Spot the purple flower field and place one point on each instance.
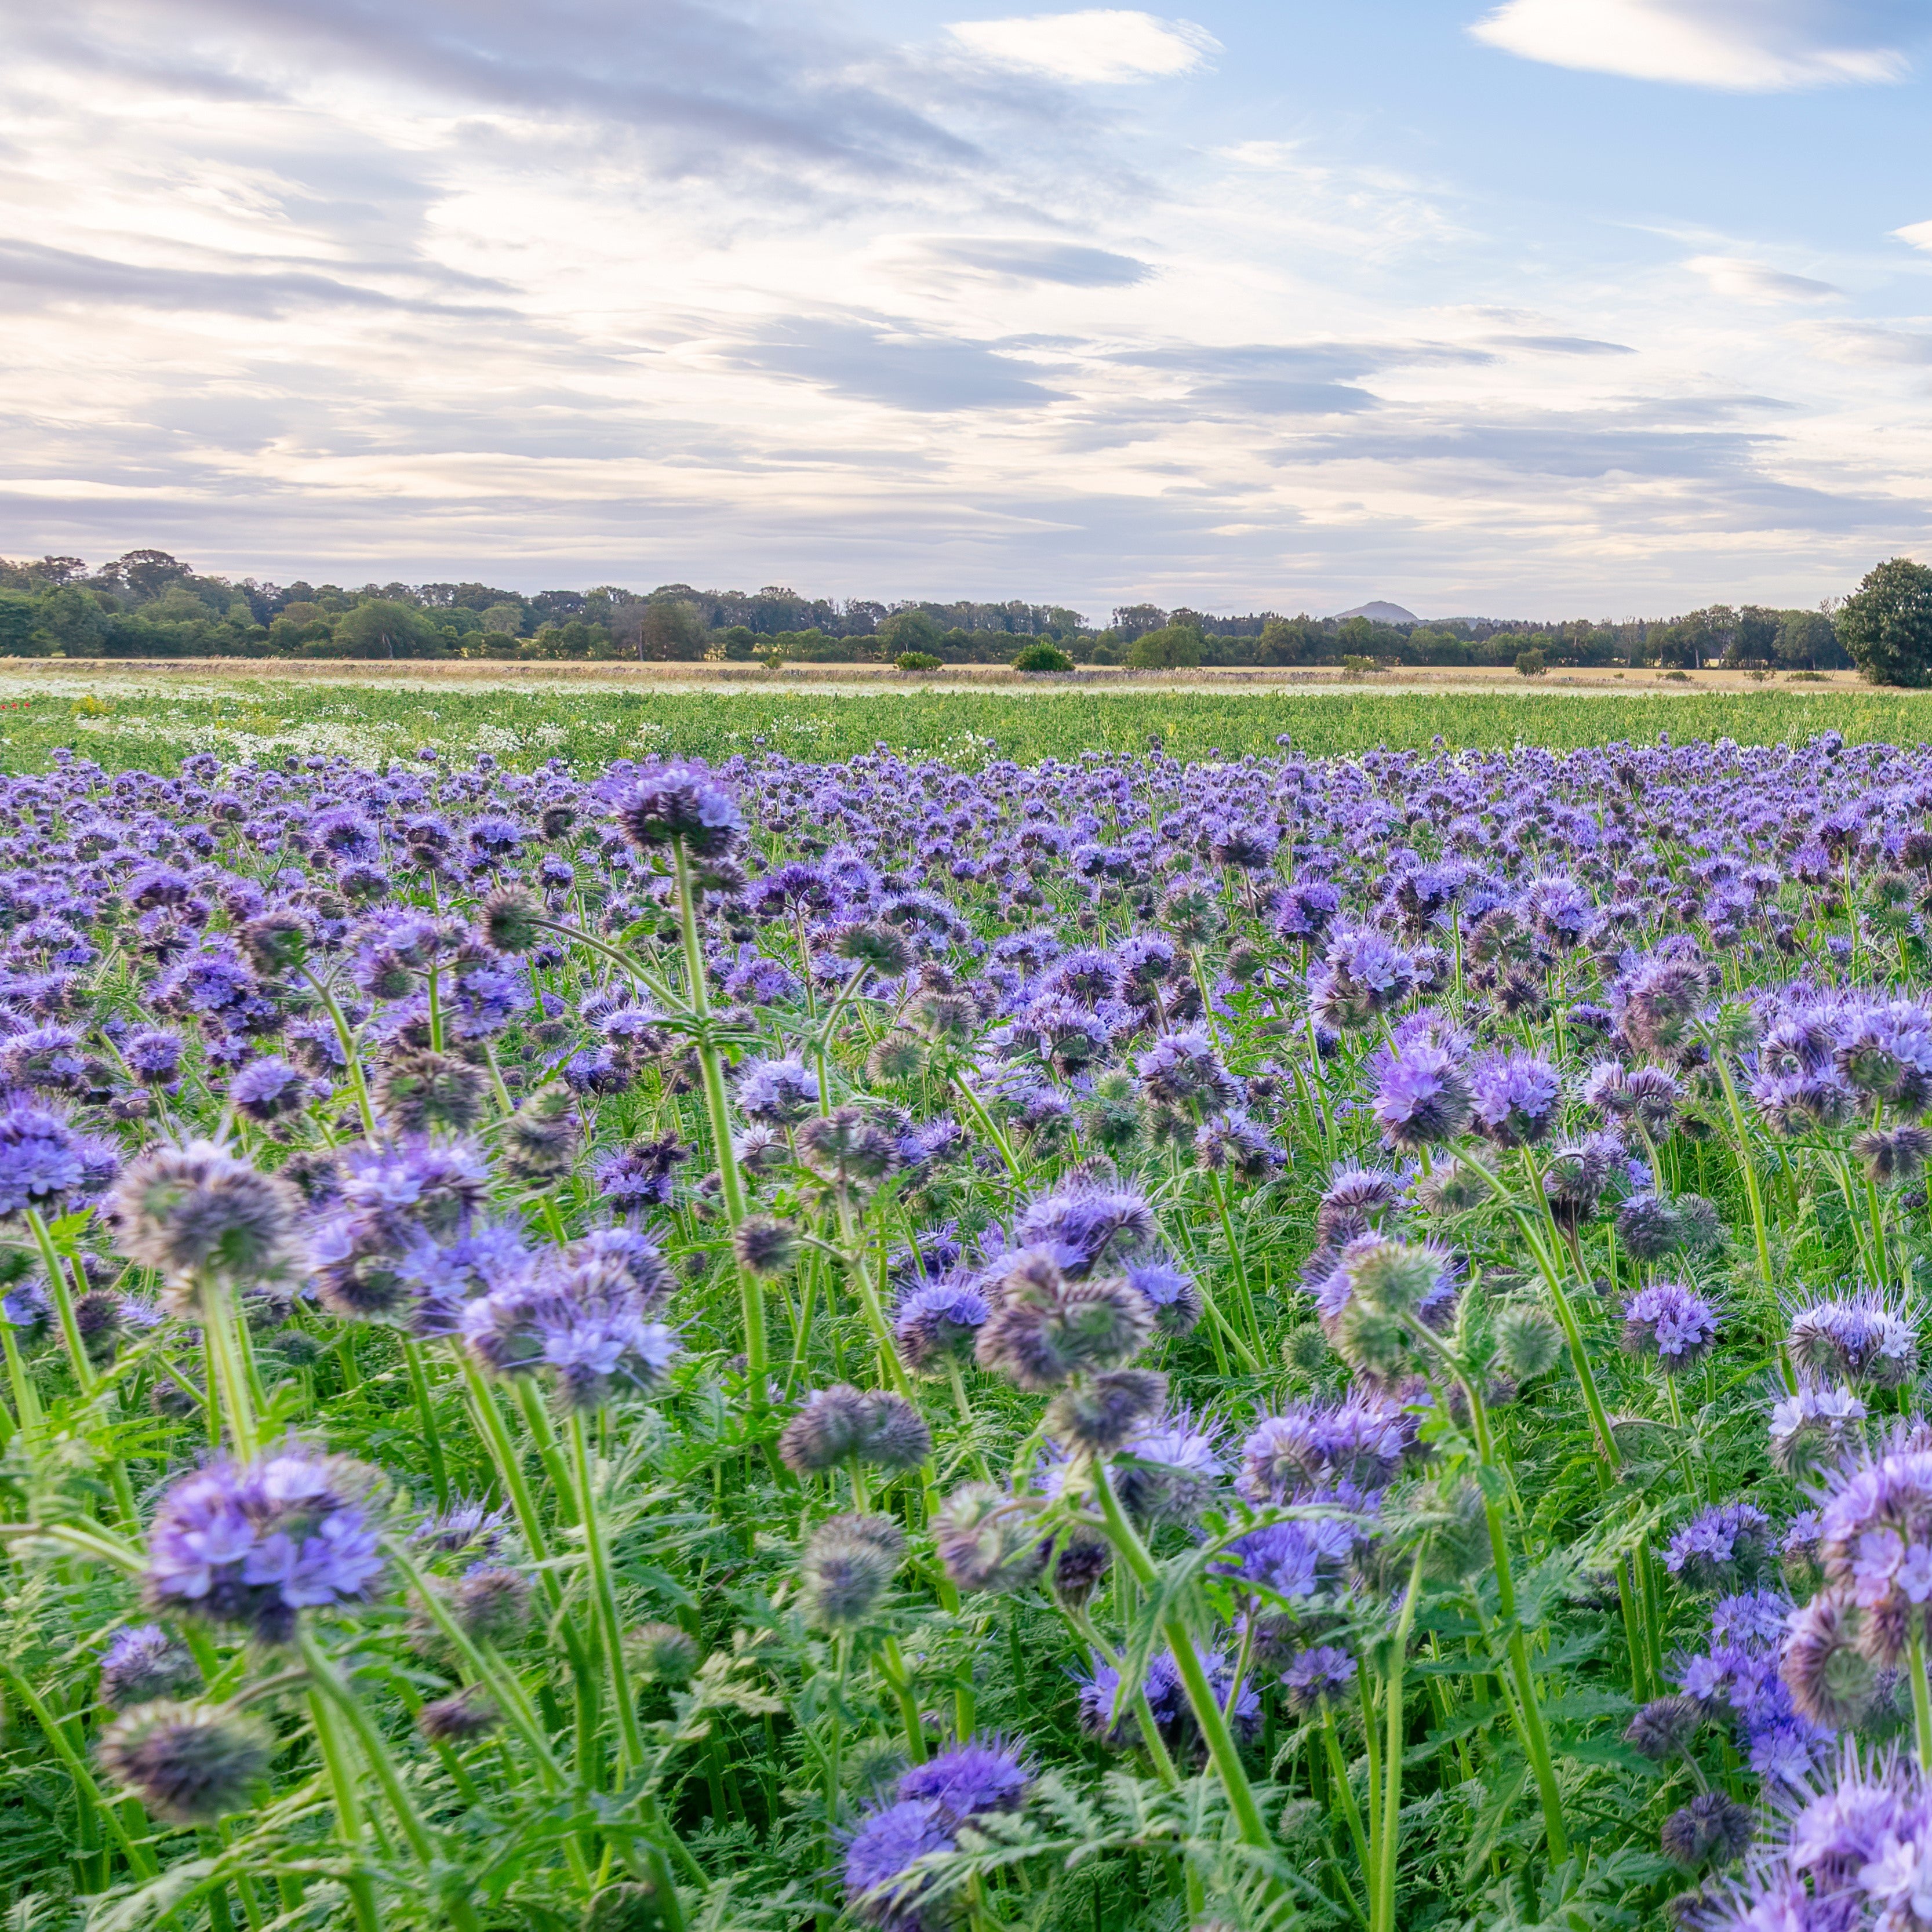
(1293, 1342)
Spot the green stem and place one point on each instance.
(412, 1359)
(1391, 1831)
(1921, 1696)
(140, 1860)
(348, 1810)
(630, 1736)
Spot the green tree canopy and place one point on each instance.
(1173, 647)
(1886, 623)
(381, 629)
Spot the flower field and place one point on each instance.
(1109, 1342)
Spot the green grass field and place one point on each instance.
(155, 727)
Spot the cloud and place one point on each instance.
(1870, 343)
(1559, 345)
(1918, 233)
(1100, 43)
(1753, 282)
(1016, 259)
(878, 362)
(1743, 45)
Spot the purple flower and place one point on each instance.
(1728, 1544)
(984, 1774)
(1514, 1098)
(777, 1093)
(1323, 1672)
(253, 1544)
(1672, 1322)
(885, 1842)
(1424, 1096)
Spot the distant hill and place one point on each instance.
(1380, 613)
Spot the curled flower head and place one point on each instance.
(1713, 1829)
(936, 1322)
(681, 805)
(1831, 1681)
(987, 1540)
(1875, 1544)
(847, 1566)
(253, 1544)
(190, 1764)
(1100, 1413)
(1424, 1096)
(145, 1663)
(1672, 1322)
(1322, 1673)
(842, 1424)
(1044, 1328)
(1861, 1338)
(777, 1093)
(846, 1150)
(196, 1211)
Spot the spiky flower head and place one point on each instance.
(1649, 1226)
(1100, 1413)
(987, 1540)
(765, 1245)
(776, 1092)
(841, 1424)
(189, 1764)
(683, 805)
(491, 1604)
(1861, 1338)
(145, 1663)
(847, 1566)
(417, 1089)
(846, 1150)
(1183, 1071)
(1713, 1829)
(1893, 1156)
(1168, 1467)
(662, 1653)
(936, 1322)
(540, 1140)
(195, 1212)
(1831, 1681)
(253, 1544)
(1354, 1204)
(1672, 1322)
(458, 1719)
(1044, 1328)
(1529, 1342)
(1663, 1727)
(1237, 1145)
(509, 916)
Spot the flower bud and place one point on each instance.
(188, 1763)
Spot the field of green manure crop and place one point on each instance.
(1106, 1344)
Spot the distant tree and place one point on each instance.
(72, 621)
(1886, 624)
(506, 620)
(1806, 639)
(1530, 664)
(19, 626)
(1042, 657)
(1131, 620)
(910, 630)
(1174, 647)
(146, 573)
(660, 630)
(382, 628)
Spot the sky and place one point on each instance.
(1550, 307)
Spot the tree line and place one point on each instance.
(148, 603)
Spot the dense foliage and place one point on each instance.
(1284, 1343)
(148, 603)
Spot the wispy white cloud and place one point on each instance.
(1098, 43)
(1739, 279)
(1744, 46)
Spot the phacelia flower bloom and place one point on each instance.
(1876, 1544)
(1813, 1427)
(1087, 1227)
(267, 1089)
(885, 1842)
(985, 1774)
(1723, 1548)
(680, 804)
(1168, 1467)
(1322, 1672)
(1182, 1071)
(145, 1663)
(777, 1093)
(254, 1544)
(1362, 976)
(1860, 1339)
(1514, 1097)
(1423, 1097)
(936, 1322)
(987, 1540)
(190, 1764)
(1044, 1328)
(1359, 1445)
(1672, 1322)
